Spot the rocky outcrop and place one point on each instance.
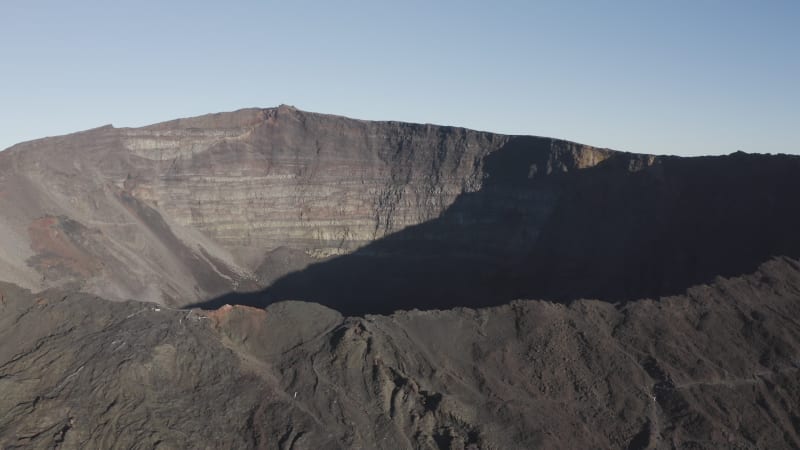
(715, 368)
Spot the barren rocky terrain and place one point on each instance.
(714, 368)
(189, 209)
(273, 278)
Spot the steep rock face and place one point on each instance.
(629, 227)
(317, 183)
(715, 368)
(185, 210)
(262, 205)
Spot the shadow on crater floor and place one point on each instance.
(605, 232)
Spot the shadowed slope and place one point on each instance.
(632, 226)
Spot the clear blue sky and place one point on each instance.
(672, 76)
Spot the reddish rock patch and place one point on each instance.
(56, 241)
(219, 314)
(245, 317)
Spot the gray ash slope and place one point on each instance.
(715, 368)
(690, 341)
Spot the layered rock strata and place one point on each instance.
(185, 210)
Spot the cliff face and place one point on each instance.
(262, 205)
(626, 228)
(185, 210)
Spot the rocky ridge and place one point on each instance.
(714, 368)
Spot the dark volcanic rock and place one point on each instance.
(691, 338)
(263, 205)
(715, 368)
